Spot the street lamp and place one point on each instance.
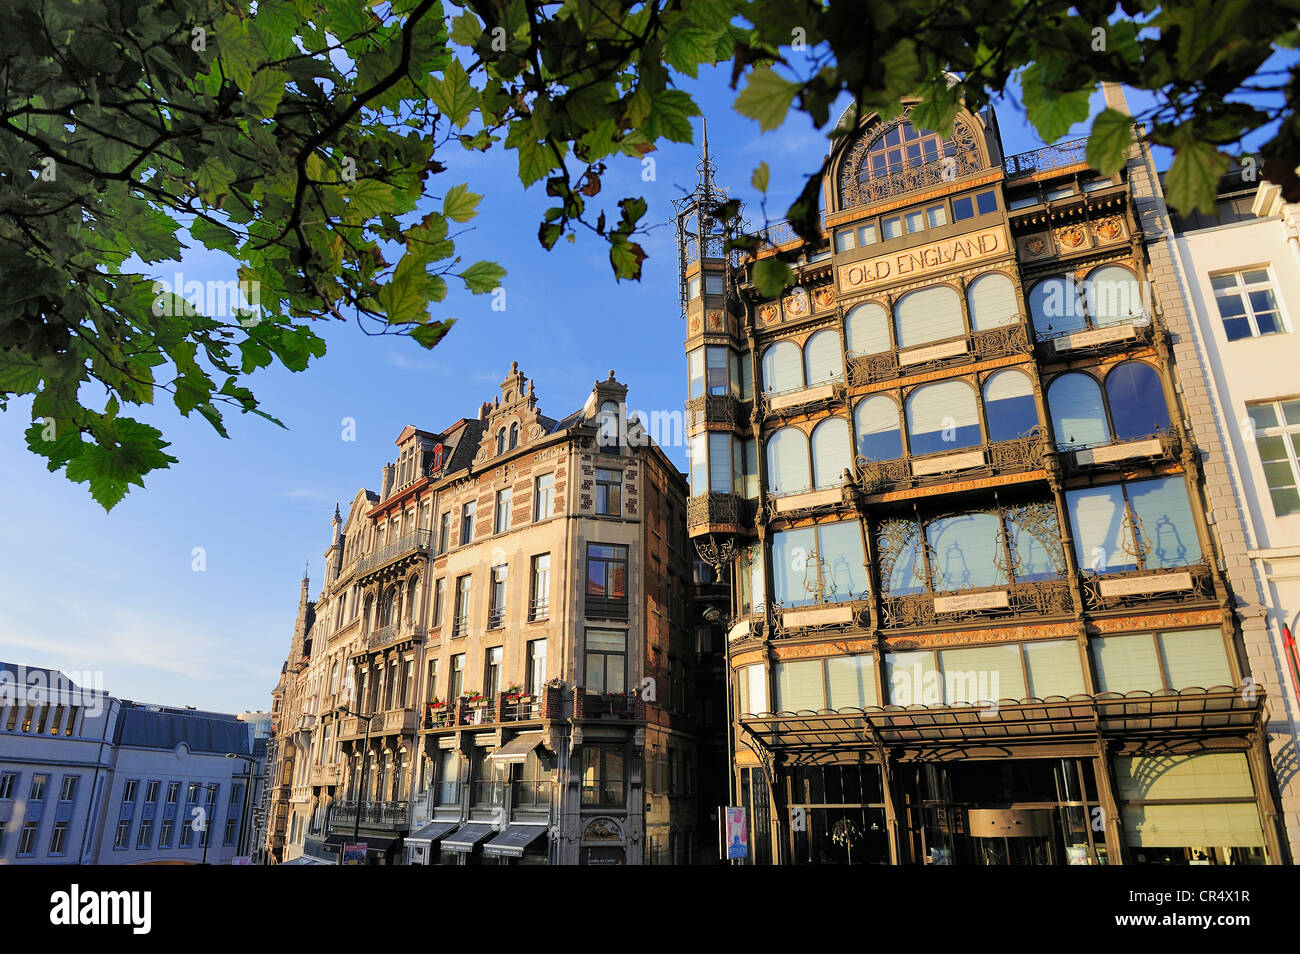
(244, 820)
(207, 819)
(361, 791)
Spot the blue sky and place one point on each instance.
(117, 593)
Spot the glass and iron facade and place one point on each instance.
(977, 610)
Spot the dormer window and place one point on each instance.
(514, 436)
(501, 441)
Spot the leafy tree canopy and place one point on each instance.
(301, 139)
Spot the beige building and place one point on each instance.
(496, 667)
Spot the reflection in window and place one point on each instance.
(1136, 399)
(822, 357)
(782, 368)
(866, 330)
(875, 420)
(1145, 524)
(1056, 306)
(992, 301)
(1078, 415)
(1113, 295)
(942, 417)
(832, 452)
(1009, 405)
(822, 564)
(966, 551)
(929, 314)
(787, 462)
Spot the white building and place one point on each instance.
(1241, 276)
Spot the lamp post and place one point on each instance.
(245, 822)
(207, 820)
(361, 791)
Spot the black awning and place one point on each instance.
(512, 842)
(432, 832)
(372, 842)
(466, 837)
(516, 750)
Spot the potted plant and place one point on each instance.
(514, 694)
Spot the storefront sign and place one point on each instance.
(916, 262)
(737, 833)
(1137, 585)
(354, 854)
(998, 599)
(1114, 452)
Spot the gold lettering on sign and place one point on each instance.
(948, 253)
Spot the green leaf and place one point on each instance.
(1109, 141)
(1052, 107)
(626, 257)
(670, 116)
(453, 95)
(772, 275)
(760, 177)
(214, 235)
(1193, 179)
(460, 204)
(19, 373)
(264, 91)
(482, 277)
(466, 29)
(767, 98)
(687, 47)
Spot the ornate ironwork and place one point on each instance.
(1144, 328)
(1201, 590)
(858, 187)
(717, 409)
(800, 405)
(1027, 452)
(873, 476)
(1171, 447)
(894, 537)
(717, 551)
(1030, 598)
(1001, 341)
(1039, 520)
(1062, 154)
(869, 368)
(718, 509)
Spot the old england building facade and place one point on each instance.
(496, 667)
(980, 611)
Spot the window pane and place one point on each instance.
(892, 228)
(1036, 544)
(913, 679)
(1056, 306)
(787, 462)
(832, 452)
(782, 367)
(930, 314)
(695, 372)
(839, 546)
(876, 422)
(717, 371)
(699, 464)
(936, 215)
(799, 686)
(850, 682)
(992, 301)
(1054, 668)
(986, 202)
(1078, 416)
(942, 417)
(1009, 406)
(1195, 658)
(1103, 541)
(791, 550)
(965, 551)
(866, 330)
(720, 476)
(1137, 401)
(908, 572)
(962, 208)
(823, 357)
(1113, 295)
(1126, 663)
(982, 674)
(914, 220)
(1164, 516)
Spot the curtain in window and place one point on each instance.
(942, 417)
(913, 679)
(1036, 546)
(1126, 663)
(1056, 306)
(787, 462)
(908, 572)
(1113, 295)
(720, 476)
(965, 551)
(1054, 668)
(839, 545)
(982, 674)
(866, 330)
(1103, 540)
(1195, 658)
(929, 314)
(1136, 399)
(880, 437)
(850, 682)
(832, 452)
(792, 566)
(1165, 517)
(699, 465)
(752, 688)
(991, 299)
(824, 358)
(718, 370)
(1078, 416)
(782, 368)
(799, 686)
(1009, 405)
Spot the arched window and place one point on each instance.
(966, 551)
(1078, 415)
(514, 436)
(787, 462)
(782, 368)
(608, 437)
(929, 314)
(1009, 405)
(901, 147)
(410, 597)
(1136, 399)
(832, 452)
(823, 358)
(866, 330)
(501, 441)
(1056, 306)
(942, 417)
(992, 301)
(876, 422)
(1113, 295)
(386, 607)
(368, 613)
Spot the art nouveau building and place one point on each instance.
(505, 628)
(979, 613)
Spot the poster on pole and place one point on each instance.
(737, 833)
(354, 854)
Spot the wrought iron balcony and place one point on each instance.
(785, 404)
(539, 609)
(1189, 584)
(999, 342)
(1021, 454)
(964, 161)
(1020, 599)
(1159, 447)
(343, 814)
(417, 543)
(496, 617)
(1070, 153)
(717, 409)
(1135, 331)
(727, 513)
(394, 632)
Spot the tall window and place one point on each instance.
(456, 678)
(603, 776)
(536, 666)
(501, 515)
(609, 492)
(942, 417)
(448, 777)
(782, 368)
(492, 672)
(866, 330)
(544, 497)
(539, 600)
(439, 600)
(876, 425)
(497, 599)
(1141, 524)
(1009, 405)
(832, 452)
(1277, 439)
(607, 579)
(460, 625)
(819, 564)
(606, 660)
(467, 523)
(823, 358)
(928, 314)
(444, 532)
(69, 790)
(514, 436)
(788, 470)
(992, 301)
(1247, 304)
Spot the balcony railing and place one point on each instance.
(375, 814)
(722, 510)
(1028, 598)
(416, 542)
(395, 631)
(1098, 339)
(459, 626)
(539, 609)
(496, 617)
(1162, 446)
(999, 342)
(718, 409)
(1063, 154)
(592, 705)
(1106, 591)
(1025, 453)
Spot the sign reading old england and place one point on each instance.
(936, 256)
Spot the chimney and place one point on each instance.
(1115, 99)
(386, 482)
